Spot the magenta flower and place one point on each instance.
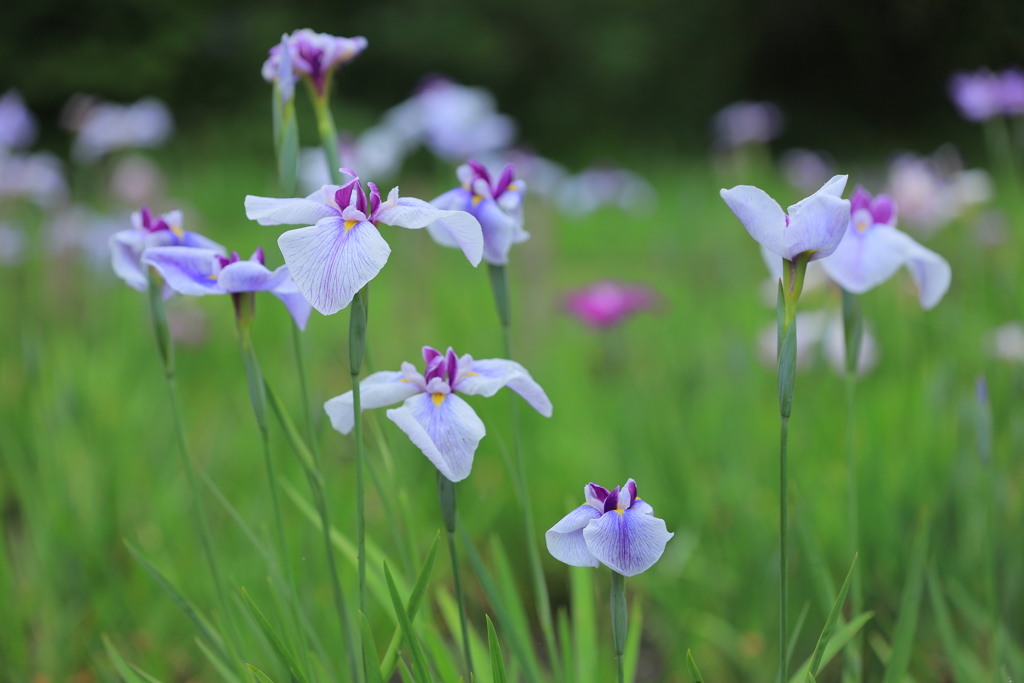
(313, 56)
(441, 424)
(496, 203)
(127, 246)
(873, 250)
(608, 303)
(333, 259)
(199, 272)
(615, 528)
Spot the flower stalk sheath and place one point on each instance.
(446, 496)
(619, 623)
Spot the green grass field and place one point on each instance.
(676, 399)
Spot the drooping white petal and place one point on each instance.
(864, 260)
(188, 271)
(446, 430)
(458, 199)
(499, 230)
(378, 390)
(817, 226)
(834, 187)
(293, 300)
(565, 539)
(272, 211)
(407, 212)
(628, 541)
(330, 262)
(491, 374)
(760, 215)
(126, 249)
(931, 272)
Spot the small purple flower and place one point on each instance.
(38, 177)
(606, 304)
(149, 231)
(458, 121)
(333, 259)
(496, 203)
(107, 127)
(743, 123)
(982, 95)
(873, 250)
(440, 423)
(814, 225)
(614, 528)
(198, 272)
(313, 55)
(17, 125)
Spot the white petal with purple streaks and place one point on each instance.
(378, 390)
(565, 539)
(447, 431)
(186, 270)
(489, 375)
(271, 211)
(629, 541)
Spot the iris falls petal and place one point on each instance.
(378, 390)
(565, 540)
(446, 429)
(627, 541)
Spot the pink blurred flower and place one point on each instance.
(608, 303)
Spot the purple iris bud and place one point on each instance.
(743, 123)
(873, 250)
(148, 231)
(496, 202)
(814, 225)
(436, 419)
(342, 250)
(607, 304)
(17, 125)
(198, 272)
(314, 56)
(106, 127)
(619, 531)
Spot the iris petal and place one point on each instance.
(186, 270)
(378, 390)
(629, 541)
(272, 211)
(760, 215)
(565, 540)
(487, 376)
(250, 276)
(447, 431)
(463, 228)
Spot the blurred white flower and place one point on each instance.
(460, 122)
(136, 181)
(79, 229)
(37, 177)
(1006, 342)
(931, 192)
(744, 122)
(599, 186)
(17, 125)
(12, 245)
(819, 335)
(105, 127)
(806, 170)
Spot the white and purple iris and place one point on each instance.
(333, 259)
(198, 272)
(496, 203)
(314, 56)
(435, 418)
(127, 246)
(814, 226)
(873, 250)
(614, 528)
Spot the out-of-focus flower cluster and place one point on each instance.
(983, 94)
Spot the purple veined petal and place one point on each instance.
(250, 276)
(817, 226)
(595, 495)
(499, 231)
(458, 199)
(489, 375)
(331, 261)
(451, 362)
(194, 239)
(293, 300)
(628, 542)
(864, 260)
(760, 215)
(272, 211)
(642, 506)
(381, 389)
(931, 273)
(446, 430)
(407, 212)
(126, 249)
(834, 187)
(626, 501)
(188, 271)
(612, 501)
(565, 539)
(429, 354)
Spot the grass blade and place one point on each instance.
(830, 623)
(419, 663)
(840, 637)
(123, 668)
(387, 667)
(259, 675)
(910, 603)
(584, 622)
(370, 656)
(691, 668)
(636, 627)
(225, 672)
(280, 649)
(498, 674)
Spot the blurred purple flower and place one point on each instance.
(934, 191)
(460, 122)
(981, 95)
(136, 180)
(198, 272)
(314, 56)
(497, 203)
(599, 186)
(806, 170)
(438, 422)
(333, 259)
(744, 122)
(107, 127)
(37, 177)
(608, 303)
(148, 231)
(814, 225)
(17, 125)
(873, 250)
(614, 528)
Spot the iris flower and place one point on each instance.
(873, 250)
(614, 528)
(148, 231)
(314, 56)
(814, 226)
(333, 259)
(496, 203)
(198, 272)
(438, 421)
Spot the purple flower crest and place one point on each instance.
(312, 55)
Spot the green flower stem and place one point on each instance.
(301, 368)
(619, 622)
(328, 133)
(853, 329)
(165, 348)
(356, 344)
(499, 285)
(446, 495)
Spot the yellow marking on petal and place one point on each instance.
(438, 399)
(178, 232)
(862, 226)
(212, 277)
(473, 374)
(403, 380)
(349, 224)
(620, 511)
(513, 187)
(476, 200)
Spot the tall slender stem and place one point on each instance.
(853, 332)
(446, 496)
(356, 344)
(165, 348)
(619, 622)
(784, 562)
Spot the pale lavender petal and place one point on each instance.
(628, 542)
(490, 375)
(930, 271)
(126, 249)
(864, 260)
(760, 215)
(271, 211)
(194, 239)
(817, 226)
(378, 390)
(595, 495)
(458, 199)
(293, 300)
(446, 430)
(250, 276)
(499, 231)
(186, 270)
(411, 213)
(642, 506)
(330, 262)
(834, 187)
(565, 539)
